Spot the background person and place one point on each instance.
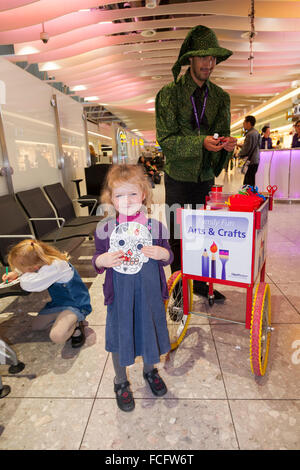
(189, 111)
(296, 136)
(93, 155)
(266, 141)
(44, 267)
(250, 149)
(146, 165)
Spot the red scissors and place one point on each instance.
(272, 189)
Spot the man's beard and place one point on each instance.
(202, 75)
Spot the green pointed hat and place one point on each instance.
(200, 41)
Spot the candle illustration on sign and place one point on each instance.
(213, 250)
(224, 256)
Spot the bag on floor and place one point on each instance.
(244, 168)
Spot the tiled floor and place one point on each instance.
(64, 398)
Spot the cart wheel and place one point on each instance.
(260, 329)
(176, 320)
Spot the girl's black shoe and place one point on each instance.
(157, 385)
(79, 338)
(124, 396)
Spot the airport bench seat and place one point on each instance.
(64, 206)
(16, 227)
(46, 225)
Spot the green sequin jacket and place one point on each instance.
(186, 157)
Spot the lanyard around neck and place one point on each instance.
(199, 121)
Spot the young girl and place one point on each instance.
(133, 250)
(42, 267)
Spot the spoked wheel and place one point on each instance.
(176, 320)
(260, 331)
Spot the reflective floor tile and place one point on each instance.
(53, 370)
(271, 424)
(191, 371)
(160, 424)
(282, 377)
(42, 423)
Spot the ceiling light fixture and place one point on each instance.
(44, 36)
(269, 106)
(26, 50)
(47, 66)
(78, 88)
(151, 4)
(100, 135)
(147, 33)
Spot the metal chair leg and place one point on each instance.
(8, 356)
(4, 389)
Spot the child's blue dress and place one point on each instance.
(136, 320)
(72, 295)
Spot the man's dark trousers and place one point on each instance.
(182, 193)
(250, 175)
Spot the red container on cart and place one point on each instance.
(216, 193)
(217, 188)
(244, 202)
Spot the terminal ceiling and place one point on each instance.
(119, 54)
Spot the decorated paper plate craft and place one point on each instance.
(130, 237)
(3, 285)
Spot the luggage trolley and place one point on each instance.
(224, 247)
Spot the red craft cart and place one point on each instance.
(224, 247)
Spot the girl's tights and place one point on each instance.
(120, 371)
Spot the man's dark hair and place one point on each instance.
(251, 119)
(265, 128)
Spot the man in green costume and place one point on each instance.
(190, 111)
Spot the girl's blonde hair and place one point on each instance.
(133, 174)
(29, 253)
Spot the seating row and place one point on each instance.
(45, 214)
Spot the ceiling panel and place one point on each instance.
(122, 53)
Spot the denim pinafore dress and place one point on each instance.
(136, 320)
(72, 295)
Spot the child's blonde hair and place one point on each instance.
(29, 253)
(133, 174)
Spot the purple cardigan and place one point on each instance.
(102, 235)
